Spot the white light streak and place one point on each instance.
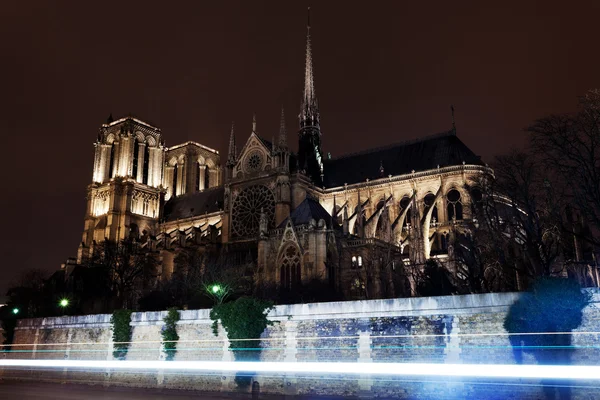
(570, 372)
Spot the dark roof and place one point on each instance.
(307, 210)
(198, 203)
(266, 142)
(445, 150)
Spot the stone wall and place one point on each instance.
(449, 329)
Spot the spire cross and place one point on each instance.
(453, 123)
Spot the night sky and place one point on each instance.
(384, 72)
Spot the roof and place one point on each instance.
(192, 143)
(266, 142)
(443, 150)
(192, 204)
(131, 118)
(307, 210)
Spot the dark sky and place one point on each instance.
(384, 72)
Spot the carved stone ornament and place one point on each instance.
(246, 210)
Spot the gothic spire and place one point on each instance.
(309, 114)
(309, 138)
(282, 131)
(254, 123)
(231, 157)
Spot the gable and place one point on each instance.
(254, 158)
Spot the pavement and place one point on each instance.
(24, 390)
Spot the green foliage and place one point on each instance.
(551, 305)
(244, 319)
(121, 325)
(169, 333)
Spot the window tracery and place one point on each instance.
(247, 208)
(254, 161)
(455, 209)
(290, 274)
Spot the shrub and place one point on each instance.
(169, 333)
(121, 326)
(244, 320)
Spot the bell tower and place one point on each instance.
(125, 197)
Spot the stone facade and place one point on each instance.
(452, 329)
(352, 222)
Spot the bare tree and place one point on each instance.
(221, 278)
(569, 147)
(129, 269)
(186, 280)
(518, 220)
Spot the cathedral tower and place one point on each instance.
(125, 198)
(310, 159)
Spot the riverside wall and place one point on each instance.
(448, 329)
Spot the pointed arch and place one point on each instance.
(290, 266)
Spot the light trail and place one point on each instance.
(561, 372)
(424, 347)
(355, 337)
(373, 380)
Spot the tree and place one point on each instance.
(244, 319)
(221, 279)
(518, 218)
(185, 283)
(129, 269)
(569, 147)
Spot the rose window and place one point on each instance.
(254, 162)
(247, 207)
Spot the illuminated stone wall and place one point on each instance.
(451, 329)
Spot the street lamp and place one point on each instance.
(15, 311)
(216, 289)
(64, 303)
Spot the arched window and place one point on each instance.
(429, 201)
(404, 204)
(354, 262)
(359, 260)
(175, 167)
(455, 210)
(111, 168)
(444, 238)
(206, 178)
(146, 164)
(136, 157)
(290, 274)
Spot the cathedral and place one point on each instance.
(351, 222)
